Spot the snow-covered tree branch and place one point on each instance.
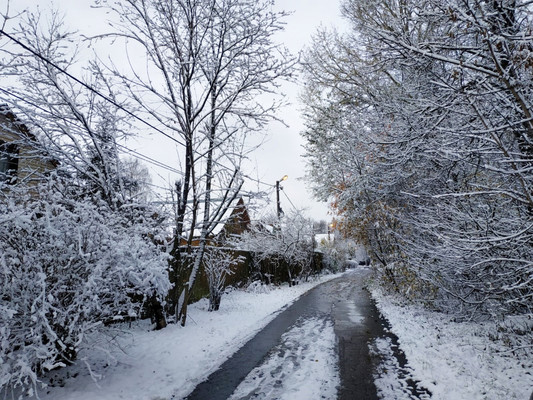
(419, 129)
(208, 65)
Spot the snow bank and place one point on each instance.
(168, 364)
(458, 360)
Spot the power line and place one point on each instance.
(295, 209)
(148, 159)
(134, 153)
(131, 152)
(106, 98)
(90, 88)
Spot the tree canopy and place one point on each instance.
(419, 129)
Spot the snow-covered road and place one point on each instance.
(468, 360)
(302, 367)
(336, 320)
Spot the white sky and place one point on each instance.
(281, 153)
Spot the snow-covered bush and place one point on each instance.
(337, 253)
(66, 268)
(287, 248)
(217, 265)
(333, 257)
(257, 287)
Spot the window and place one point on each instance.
(8, 162)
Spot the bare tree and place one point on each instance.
(206, 68)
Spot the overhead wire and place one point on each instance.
(90, 88)
(126, 149)
(138, 155)
(148, 159)
(295, 209)
(111, 101)
(134, 153)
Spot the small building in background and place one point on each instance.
(22, 162)
(236, 224)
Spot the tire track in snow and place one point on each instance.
(302, 366)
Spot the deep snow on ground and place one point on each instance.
(455, 360)
(302, 367)
(168, 364)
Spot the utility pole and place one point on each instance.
(279, 210)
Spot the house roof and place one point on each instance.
(15, 122)
(238, 221)
(235, 221)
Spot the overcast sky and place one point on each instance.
(285, 145)
(281, 153)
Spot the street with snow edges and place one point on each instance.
(450, 360)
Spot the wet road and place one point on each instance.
(356, 323)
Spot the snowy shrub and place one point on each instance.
(257, 287)
(286, 252)
(217, 266)
(66, 268)
(336, 253)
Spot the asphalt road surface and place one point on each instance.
(356, 323)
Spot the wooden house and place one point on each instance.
(21, 160)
